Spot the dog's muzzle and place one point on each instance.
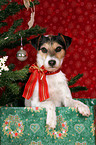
(52, 63)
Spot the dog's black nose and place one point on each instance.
(52, 62)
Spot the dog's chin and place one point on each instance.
(52, 69)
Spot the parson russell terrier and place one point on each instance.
(47, 85)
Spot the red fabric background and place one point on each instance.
(74, 18)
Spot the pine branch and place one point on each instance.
(4, 99)
(14, 88)
(10, 10)
(7, 97)
(12, 28)
(11, 67)
(2, 24)
(11, 100)
(12, 40)
(9, 39)
(77, 89)
(14, 76)
(36, 2)
(75, 79)
(10, 79)
(2, 53)
(3, 2)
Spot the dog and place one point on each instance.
(51, 50)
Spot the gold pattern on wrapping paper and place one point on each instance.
(7, 127)
(36, 143)
(60, 134)
(73, 109)
(93, 129)
(33, 109)
(34, 127)
(79, 127)
(78, 143)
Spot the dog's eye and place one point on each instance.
(44, 50)
(58, 49)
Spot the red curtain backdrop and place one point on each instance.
(74, 18)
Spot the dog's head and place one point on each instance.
(51, 50)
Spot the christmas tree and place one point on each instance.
(12, 82)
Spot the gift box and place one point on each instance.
(27, 126)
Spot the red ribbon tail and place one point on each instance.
(43, 88)
(30, 85)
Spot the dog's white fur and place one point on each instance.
(59, 93)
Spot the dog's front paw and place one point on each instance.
(51, 121)
(83, 109)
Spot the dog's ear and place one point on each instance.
(35, 42)
(67, 40)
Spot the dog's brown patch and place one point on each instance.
(51, 47)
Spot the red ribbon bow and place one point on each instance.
(40, 75)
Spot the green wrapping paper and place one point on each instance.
(27, 126)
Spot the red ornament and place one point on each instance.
(16, 134)
(60, 134)
(63, 124)
(6, 122)
(37, 108)
(19, 124)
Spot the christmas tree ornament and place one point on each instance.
(2, 64)
(22, 55)
(32, 17)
